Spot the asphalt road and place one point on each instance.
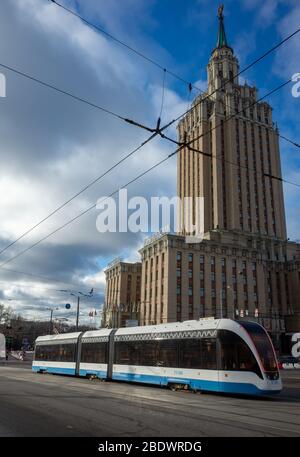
(48, 405)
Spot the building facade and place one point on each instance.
(245, 267)
(227, 275)
(123, 293)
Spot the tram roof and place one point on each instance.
(94, 333)
(60, 336)
(201, 324)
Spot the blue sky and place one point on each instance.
(181, 35)
(51, 146)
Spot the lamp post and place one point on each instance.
(78, 295)
(51, 318)
(77, 313)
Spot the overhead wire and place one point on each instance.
(155, 131)
(157, 64)
(181, 146)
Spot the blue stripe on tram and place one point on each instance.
(100, 374)
(197, 384)
(58, 370)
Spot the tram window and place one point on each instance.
(209, 353)
(262, 344)
(246, 360)
(127, 353)
(39, 353)
(42, 353)
(167, 355)
(67, 352)
(235, 354)
(190, 353)
(56, 352)
(148, 353)
(94, 352)
(134, 352)
(122, 353)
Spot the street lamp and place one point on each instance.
(78, 295)
(51, 318)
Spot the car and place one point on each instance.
(288, 362)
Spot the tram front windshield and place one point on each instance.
(263, 345)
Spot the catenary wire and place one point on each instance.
(45, 278)
(187, 144)
(130, 121)
(63, 92)
(87, 210)
(142, 55)
(98, 178)
(122, 43)
(181, 146)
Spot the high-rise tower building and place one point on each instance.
(244, 267)
(229, 123)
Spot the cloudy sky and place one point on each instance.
(52, 145)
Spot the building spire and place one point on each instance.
(222, 41)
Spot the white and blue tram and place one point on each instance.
(207, 355)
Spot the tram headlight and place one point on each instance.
(273, 375)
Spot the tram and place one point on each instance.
(220, 355)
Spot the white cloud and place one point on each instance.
(266, 12)
(52, 146)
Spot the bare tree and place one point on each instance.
(6, 313)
